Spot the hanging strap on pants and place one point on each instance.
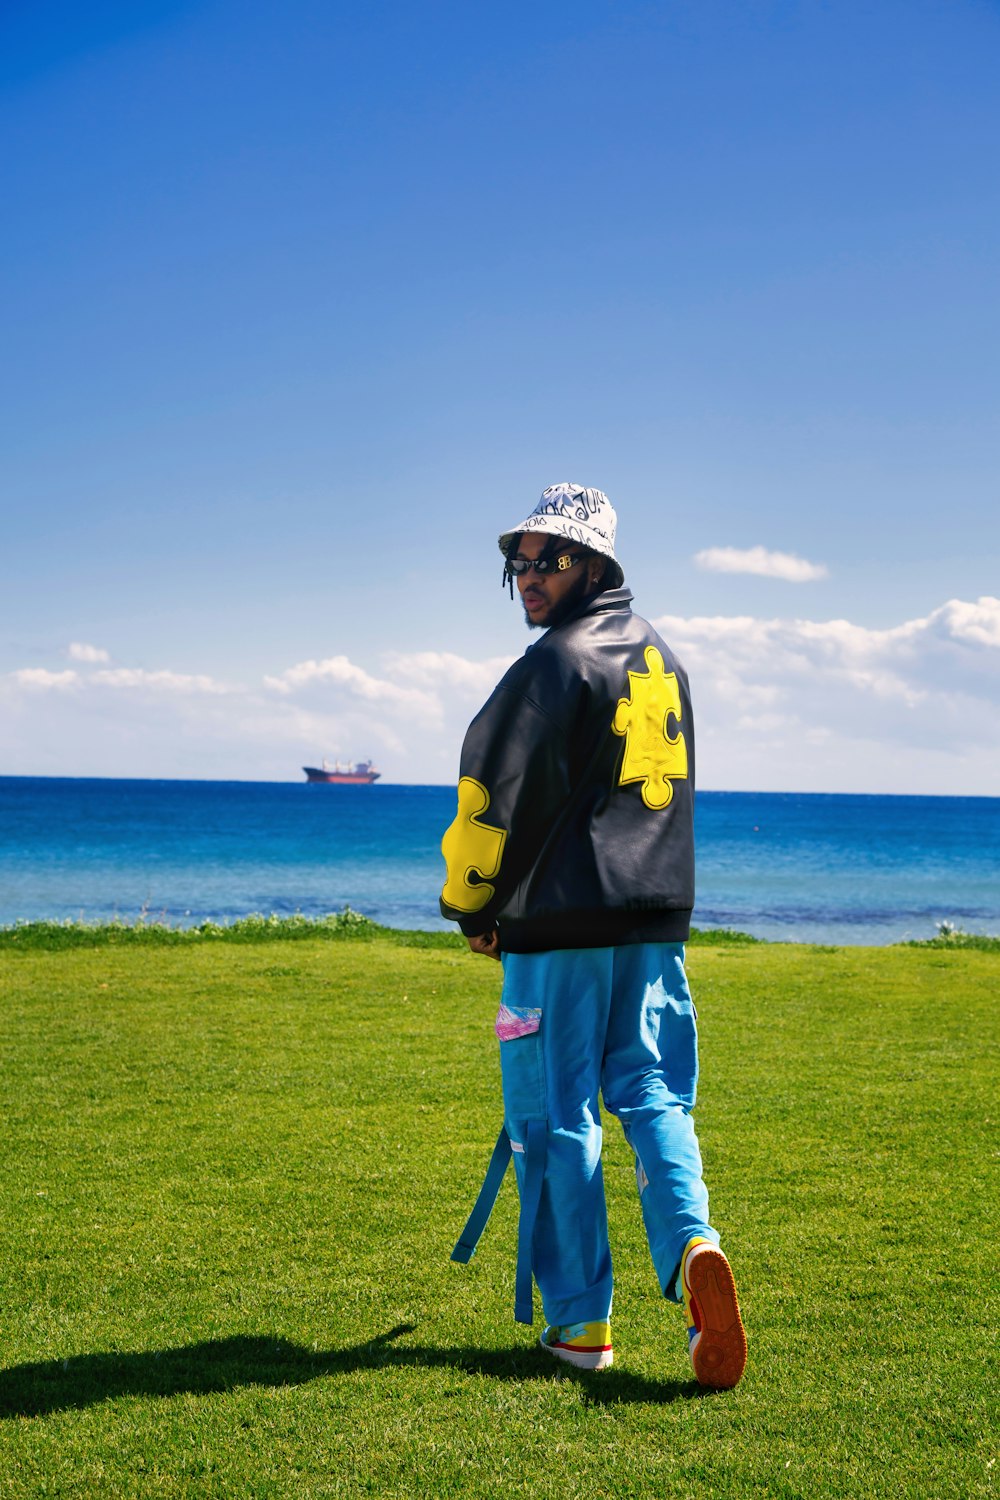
(531, 1194)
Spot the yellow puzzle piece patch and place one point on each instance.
(471, 847)
(651, 756)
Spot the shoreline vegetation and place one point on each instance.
(350, 925)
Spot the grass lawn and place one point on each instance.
(233, 1175)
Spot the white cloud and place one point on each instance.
(443, 670)
(133, 678)
(409, 717)
(80, 651)
(124, 678)
(780, 704)
(833, 705)
(340, 672)
(40, 677)
(977, 623)
(760, 561)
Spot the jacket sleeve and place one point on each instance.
(514, 780)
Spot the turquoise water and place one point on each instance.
(802, 867)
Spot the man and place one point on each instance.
(572, 857)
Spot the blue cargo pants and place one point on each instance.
(574, 1023)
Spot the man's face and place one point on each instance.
(550, 597)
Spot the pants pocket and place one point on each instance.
(517, 1020)
(523, 1074)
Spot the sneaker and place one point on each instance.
(716, 1340)
(586, 1345)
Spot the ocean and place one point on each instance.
(787, 866)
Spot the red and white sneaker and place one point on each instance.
(586, 1345)
(717, 1342)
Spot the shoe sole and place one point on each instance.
(719, 1353)
(578, 1357)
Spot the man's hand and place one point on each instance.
(487, 943)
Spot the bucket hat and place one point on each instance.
(580, 515)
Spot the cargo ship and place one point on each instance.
(361, 774)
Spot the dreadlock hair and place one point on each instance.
(512, 546)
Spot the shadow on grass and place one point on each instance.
(36, 1390)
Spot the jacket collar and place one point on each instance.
(597, 604)
(610, 599)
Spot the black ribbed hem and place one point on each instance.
(596, 929)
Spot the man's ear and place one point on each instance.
(595, 570)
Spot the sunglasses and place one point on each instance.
(516, 567)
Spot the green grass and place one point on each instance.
(52, 937)
(956, 938)
(234, 1171)
(348, 925)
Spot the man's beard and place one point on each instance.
(567, 604)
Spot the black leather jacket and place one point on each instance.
(575, 824)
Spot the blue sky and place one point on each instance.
(303, 303)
